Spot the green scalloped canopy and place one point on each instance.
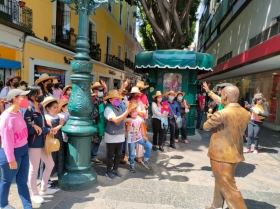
(173, 59)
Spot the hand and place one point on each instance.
(37, 129)
(205, 86)
(125, 84)
(13, 165)
(103, 84)
(175, 116)
(62, 122)
(53, 131)
(145, 138)
(3, 101)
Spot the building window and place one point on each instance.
(110, 6)
(119, 51)
(92, 33)
(125, 53)
(108, 45)
(127, 21)
(121, 13)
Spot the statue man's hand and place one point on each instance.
(205, 86)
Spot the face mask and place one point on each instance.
(134, 115)
(49, 86)
(40, 99)
(116, 103)
(69, 92)
(136, 97)
(180, 98)
(24, 103)
(204, 94)
(100, 94)
(159, 99)
(170, 97)
(16, 84)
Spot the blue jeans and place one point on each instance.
(95, 148)
(199, 118)
(21, 174)
(131, 149)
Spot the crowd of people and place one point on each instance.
(30, 114)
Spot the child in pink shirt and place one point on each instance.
(14, 159)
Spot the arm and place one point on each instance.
(7, 134)
(265, 114)
(186, 104)
(104, 85)
(215, 97)
(215, 121)
(110, 115)
(125, 84)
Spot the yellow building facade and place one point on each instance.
(50, 44)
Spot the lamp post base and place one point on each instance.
(79, 180)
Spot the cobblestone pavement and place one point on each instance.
(180, 178)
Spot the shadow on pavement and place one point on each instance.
(243, 169)
(253, 204)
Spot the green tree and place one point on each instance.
(166, 24)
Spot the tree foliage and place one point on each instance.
(166, 24)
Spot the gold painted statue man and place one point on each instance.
(226, 148)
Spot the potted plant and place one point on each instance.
(21, 4)
(72, 30)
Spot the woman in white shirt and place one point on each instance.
(114, 132)
(158, 130)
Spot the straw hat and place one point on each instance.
(44, 77)
(55, 81)
(112, 94)
(135, 90)
(48, 100)
(180, 92)
(11, 78)
(170, 92)
(95, 85)
(65, 89)
(23, 88)
(141, 85)
(62, 103)
(158, 93)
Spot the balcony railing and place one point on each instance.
(129, 63)
(114, 61)
(13, 15)
(95, 53)
(63, 37)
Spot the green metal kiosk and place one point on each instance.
(176, 70)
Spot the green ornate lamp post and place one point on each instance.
(78, 173)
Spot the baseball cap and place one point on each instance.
(15, 92)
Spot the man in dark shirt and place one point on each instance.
(174, 113)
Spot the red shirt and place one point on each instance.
(144, 99)
(201, 102)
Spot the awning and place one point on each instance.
(10, 64)
(173, 59)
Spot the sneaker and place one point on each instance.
(110, 175)
(132, 169)
(247, 151)
(117, 173)
(48, 192)
(146, 164)
(256, 151)
(96, 161)
(176, 140)
(37, 199)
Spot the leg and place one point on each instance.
(49, 164)
(155, 124)
(95, 148)
(161, 136)
(110, 154)
(124, 146)
(6, 178)
(34, 161)
(148, 147)
(256, 134)
(118, 155)
(131, 150)
(225, 187)
(172, 125)
(250, 135)
(22, 178)
(184, 129)
(139, 151)
(176, 135)
(199, 119)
